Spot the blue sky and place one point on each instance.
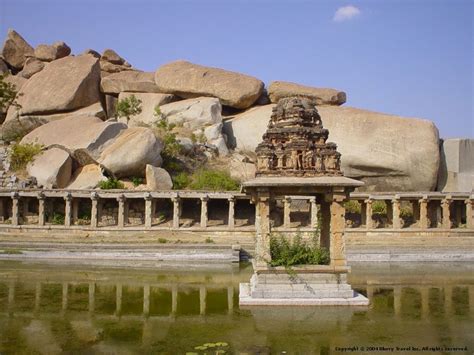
(407, 57)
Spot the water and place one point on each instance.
(53, 308)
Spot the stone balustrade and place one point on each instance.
(230, 211)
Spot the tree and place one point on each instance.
(8, 93)
(129, 107)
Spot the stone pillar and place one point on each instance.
(336, 247)
(425, 299)
(204, 215)
(148, 210)
(37, 296)
(313, 213)
(370, 292)
(230, 299)
(397, 221)
(424, 219)
(287, 212)
(445, 205)
(75, 210)
(397, 300)
(65, 298)
(121, 211)
(146, 300)
(118, 299)
(448, 299)
(15, 211)
(369, 224)
(41, 210)
(174, 299)
(91, 297)
(11, 295)
(231, 219)
(389, 212)
(470, 212)
(262, 226)
(94, 210)
(176, 212)
(67, 210)
(202, 300)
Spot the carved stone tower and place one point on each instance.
(295, 142)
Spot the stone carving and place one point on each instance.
(295, 142)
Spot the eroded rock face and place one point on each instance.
(149, 102)
(190, 80)
(65, 84)
(112, 56)
(323, 96)
(31, 67)
(87, 133)
(130, 152)
(456, 173)
(407, 161)
(48, 53)
(52, 168)
(87, 177)
(129, 81)
(3, 66)
(157, 178)
(15, 50)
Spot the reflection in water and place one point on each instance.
(49, 309)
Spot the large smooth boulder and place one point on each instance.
(17, 126)
(87, 133)
(15, 50)
(149, 102)
(388, 153)
(157, 178)
(323, 96)
(48, 53)
(131, 151)
(193, 113)
(31, 67)
(130, 81)
(65, 84)
(190, 80)
(87, 177)
(456, 173)
(51, 168)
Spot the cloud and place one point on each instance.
(346, 13)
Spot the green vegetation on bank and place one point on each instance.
(111, 184)
(22, 154)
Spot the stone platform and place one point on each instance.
(320, 285)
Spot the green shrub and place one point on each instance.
(8, 93)
(209, 179)
(58, 218)
(181, 181)
(22, 154)
(137, 181)
(406, 213)
(297, 252)
(379, 207)
(129, 107)
(110, 184)
(352, 206)
(164, 130)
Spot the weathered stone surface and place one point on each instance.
(15, 50)
(190, 80)
(456, 173)
(241, 168)
(65, 84)
(31, 67)
(88, 133)
(149, 102)
(131, 151)
(111, 56)
(48, 53)
(17, 126)
(3, 66)
(16, 80)
(107, 67)
(193, 113)
(91, 52)
(52, 168)
(370, 151)
(111, 105)
(87, 177)
(130, 81)
(157, 178)
(323, 96)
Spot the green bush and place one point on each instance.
(137, 181)
(164, 130)
(298, 252)
(209, 179)
(379, 207)
(406, 213)
(58, 218)
(110, 184)
(129, 107)
(22, 154)
(8, 93)
(181, 181)
(352, 206)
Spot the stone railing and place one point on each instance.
(230, 211)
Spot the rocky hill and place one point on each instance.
(97, 117)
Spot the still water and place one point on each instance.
(54, 308)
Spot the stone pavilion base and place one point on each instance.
(308, 286)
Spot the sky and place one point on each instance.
(411, 58)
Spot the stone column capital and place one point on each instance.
(94, 196)
(204, 198)
(148, 197)
(231, 198)
(15, 195)
(40, 195)
(121, 198)
(68, 197)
